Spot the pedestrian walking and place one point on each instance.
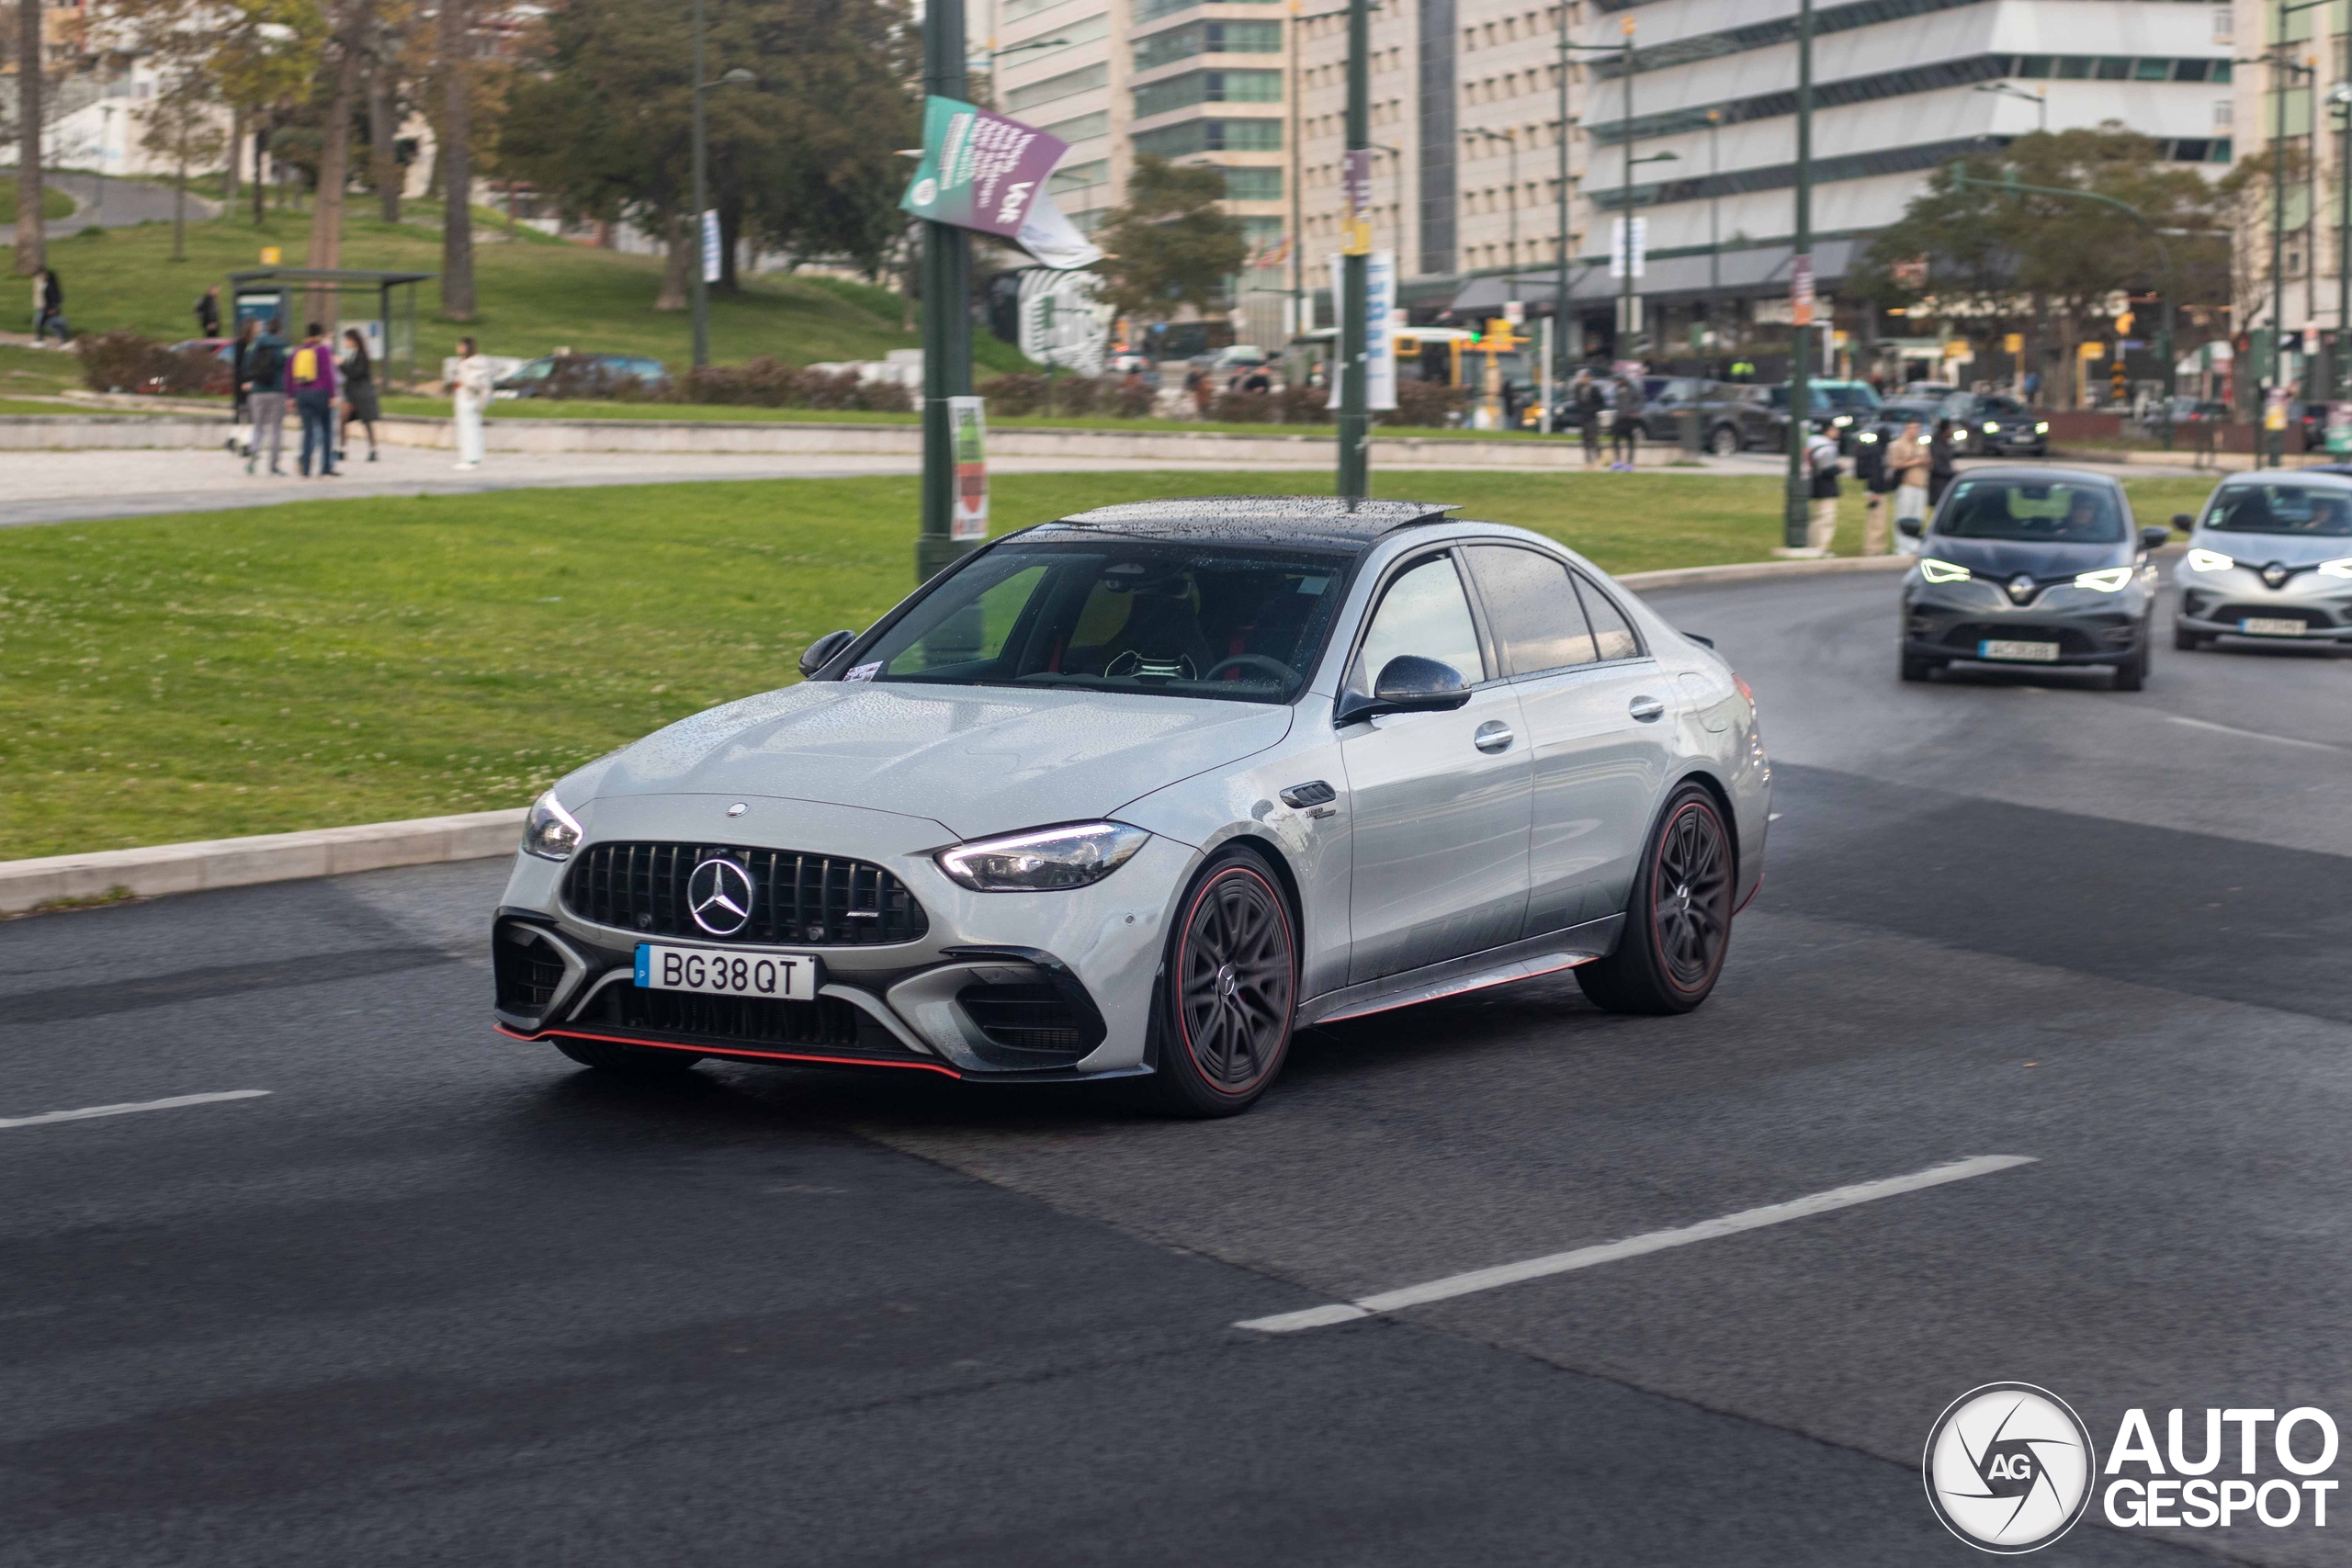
(358, 392)
(1907, 460)
(240, 413)
(469, 399)
(1878, 483)
(208, 312)
(310, 382)
(1592, 404)
(264, 384)
(1626, 434)
(1196, 387)
(1821, 461)
(1941, 449)
(49, 307)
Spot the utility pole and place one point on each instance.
(1355, 449)
(701, 295)
(1625, 205)
(1299, 323)
(2276, 440)
(2340, 96)
(946, 312)
(1800, 491)
(1557, 360)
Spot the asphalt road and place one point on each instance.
(438, 1298)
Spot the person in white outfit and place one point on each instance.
(470, 392)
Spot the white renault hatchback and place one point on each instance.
(1141, 792)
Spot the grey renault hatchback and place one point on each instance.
(2031, 565)
(2270, 557)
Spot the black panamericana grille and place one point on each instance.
(525, 968)
(1024, 1018)
(798, 900)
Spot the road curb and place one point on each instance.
(236, 862)
(1757, 571)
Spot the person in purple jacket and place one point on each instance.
(309, 381)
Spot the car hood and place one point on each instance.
(976, 760)
(2286, 549)
(2004, 558)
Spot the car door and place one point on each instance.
(1600, 718)
(1439, 801)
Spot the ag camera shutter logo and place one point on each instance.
(2008, 1467)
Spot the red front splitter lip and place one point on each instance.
(731, 1052)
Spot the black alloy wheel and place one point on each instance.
(1228, 992)
(1678, 925)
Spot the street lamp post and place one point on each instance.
(1355, 423)
(1800, 492)
(947, 319)
(2039, 100)
(1510, 139)
(702, 189)
(1560, 306)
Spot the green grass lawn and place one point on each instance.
(54, 203)
(37, 372)
(211, 674)
(535, 294)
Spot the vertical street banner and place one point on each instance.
(711, 270)
(1629, 244)
(979, 170)
(1355, 180)
(967, 432)
(1800, 290)
(1379, 305)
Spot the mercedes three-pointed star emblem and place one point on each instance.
(718, 895)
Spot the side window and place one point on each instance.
(1423, 613)
(1538, 624)
(1612, 633)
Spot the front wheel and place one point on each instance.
(1918, 669)
(1226, 992)
(1725, 442)
(2186, 641)
(2132, 673)
(1677, 924)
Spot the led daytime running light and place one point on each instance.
(2210, 560)
(2107, 579)
(1936, 570)
(2335, 567)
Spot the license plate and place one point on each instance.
(2271, 625)
(2036, 652)
(782, 976)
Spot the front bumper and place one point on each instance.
(1001, 986)
(1950, 621)
(2213, 603)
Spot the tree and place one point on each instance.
(2050, 267)
(456, 49)
(1170, 246)
(352, 26)
(183, 125)
(32, 252)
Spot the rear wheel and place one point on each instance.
(1725, 442)
(1677, 924)
(1227, 991)
(627, 1061)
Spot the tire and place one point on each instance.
(1227, 992)
(2184, 640)
(2132, 675)
(1723, 441)
(1918, 669)
(1678, 923)
(627, 1061)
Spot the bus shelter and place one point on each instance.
(267, 294)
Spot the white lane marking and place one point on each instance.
(2250, 734)
(1631, 1246)
(87, 1111)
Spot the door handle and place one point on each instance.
(1647, 709)
(1492, 736)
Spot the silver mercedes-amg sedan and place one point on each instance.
(1141, 791)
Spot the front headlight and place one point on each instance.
(550, 832)
(2041, 427)
(1044, 860)
(1867, 437)
(2208, 560)
(1936, 570)
(2106, 580)
(1991, 428)
(1842, 421)
(2335, 567)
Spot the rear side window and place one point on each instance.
(1537, 621)
(1612, 633)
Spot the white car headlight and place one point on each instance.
(1991, 428)
(1044, 860)
(1936, 570)
(2208, 560)
(2335, 567)
(550, 832)
(2106, 580)
(2041, 427)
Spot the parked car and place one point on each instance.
(220, 383)
(1928, 390)
(1995, 425)
(1137, 794)
(1845, 404)
(531, 379)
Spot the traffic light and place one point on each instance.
(2115, 379)
(2123, 324)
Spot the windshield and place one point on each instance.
(1182, 619)
(2308, 510)
(2029, 512)
(1850, 397)
(1821, 403)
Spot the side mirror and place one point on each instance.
(2154, 538)
(819, 654)
(2183, 522)
(1407, 684)
(1909, 527)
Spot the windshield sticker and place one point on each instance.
(864, 671)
